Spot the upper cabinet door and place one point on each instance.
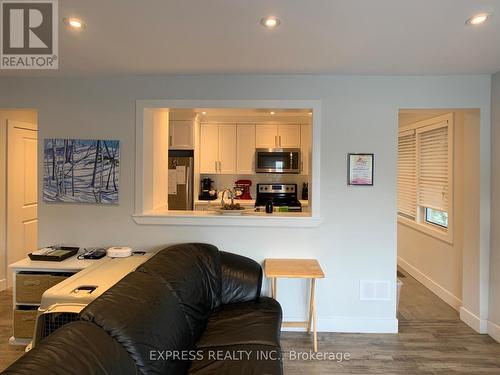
(209, 148)
(305, 148)
(181, 135)
(289, 136)
(227, 149)
(245, 146)
(266, 136)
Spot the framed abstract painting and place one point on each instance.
(81, 171)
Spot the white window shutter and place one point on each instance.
(407, 174)
(433, 147)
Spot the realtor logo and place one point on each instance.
(29, 35)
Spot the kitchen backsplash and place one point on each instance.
(227, 180)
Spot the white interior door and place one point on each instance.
(22, 195)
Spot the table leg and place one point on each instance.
(274, 285)
(315, 334)
(311, 301)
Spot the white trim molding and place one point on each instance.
(343, 324)
(430, 284)
(477, 324)
(358, 325)
(494, 331)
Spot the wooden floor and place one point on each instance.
(431, 340)
(8, 353)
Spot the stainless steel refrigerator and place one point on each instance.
(180, 180)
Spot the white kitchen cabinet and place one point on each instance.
(289, 136)
(181, 135)
(245, 149)
(305, 148)
(209, 148)
(218, 149)
(227, 149)
(266, 136)
(277, 136)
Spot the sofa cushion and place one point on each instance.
(254, 322)
(238, 360)
(145, 317)
(193, 273)
(241, 278)
(74, 349)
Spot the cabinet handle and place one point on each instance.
(220, 166)
(215, 166)
(170, 140)
(280, 140)
(275, 141)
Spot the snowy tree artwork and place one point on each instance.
(81, 171)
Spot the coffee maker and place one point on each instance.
(242, 189)
(207, 192)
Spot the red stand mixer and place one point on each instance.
(242, 189)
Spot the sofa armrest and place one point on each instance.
(241, 278)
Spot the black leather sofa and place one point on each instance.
(190, 309)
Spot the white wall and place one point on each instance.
(451, 270)
(357, 239)
(494, 318)
(25, 115)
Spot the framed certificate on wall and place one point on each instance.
(360, 169)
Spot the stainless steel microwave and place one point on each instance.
(277, 160)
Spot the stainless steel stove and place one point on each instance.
(280, 194)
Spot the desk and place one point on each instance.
(301, 269)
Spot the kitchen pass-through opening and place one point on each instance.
(227, 165)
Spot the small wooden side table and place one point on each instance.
(301, 269)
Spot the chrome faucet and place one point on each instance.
(231, 195)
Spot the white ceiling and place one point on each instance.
(316, 36)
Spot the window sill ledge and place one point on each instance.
(428, 230)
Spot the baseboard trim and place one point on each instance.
(3, 284)
(494, 331)
(430, 284)
(350, 325)
(477, 324)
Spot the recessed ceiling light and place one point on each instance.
(478, 19)
(272, 113)
(203, 113)
(270, 22)
(74, 23)
(310, 113)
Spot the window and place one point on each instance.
(436, 217)
(425, 161)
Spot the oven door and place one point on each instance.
(277, 160)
